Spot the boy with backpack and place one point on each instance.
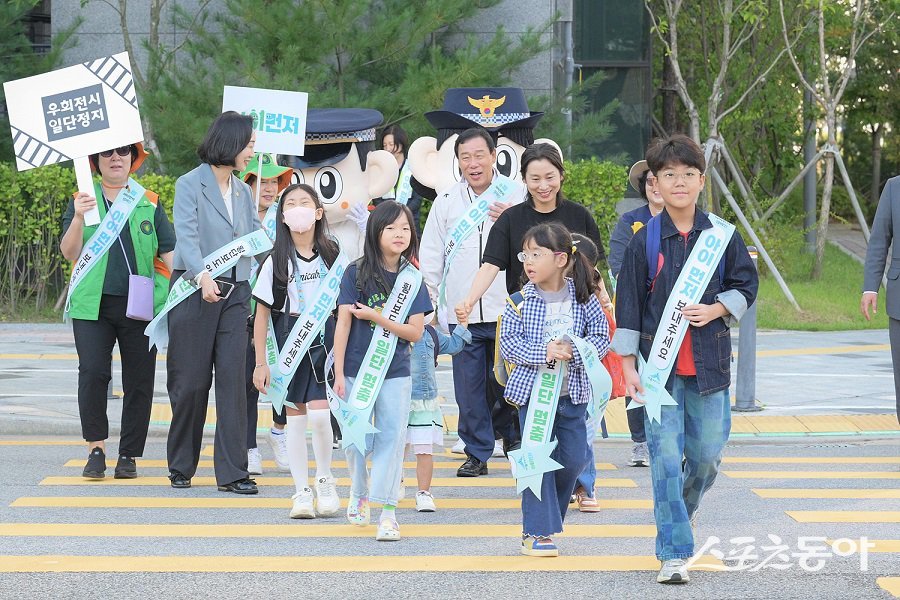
(673, 325)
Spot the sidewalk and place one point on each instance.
(834, 383)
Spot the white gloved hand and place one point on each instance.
(359, 214)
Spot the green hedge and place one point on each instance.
(32, 204)
(598, 186)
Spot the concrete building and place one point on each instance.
(586, 36)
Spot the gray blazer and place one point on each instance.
(885, 228)
(201, 220)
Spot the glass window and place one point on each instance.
(611, 31)
(631, 120)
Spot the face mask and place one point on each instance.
(300, 219)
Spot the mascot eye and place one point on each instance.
(507, 160)
(455, 171)
(328, 184)
(297, 177)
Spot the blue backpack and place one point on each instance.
(652, 249)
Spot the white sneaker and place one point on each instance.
(459, 447)
(425, 501)
(327, 501)
(673, 571)
(254, 461)
(278, 442)
(303, 505)
(498, 449)
(640, 455)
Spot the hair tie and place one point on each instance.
(574, 249)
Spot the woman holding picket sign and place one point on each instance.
(119, 282)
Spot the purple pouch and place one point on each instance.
(140, 298)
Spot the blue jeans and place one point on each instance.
(391, 414)
(697, 428)
(545, 517)
(588, 476)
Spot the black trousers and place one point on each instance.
(253, 397)
(94, 341)
(204, 336)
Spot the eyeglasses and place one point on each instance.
(121, 151)
(672, 176)
(533, 256)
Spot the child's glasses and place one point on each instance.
(533, 256)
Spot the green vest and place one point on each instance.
(85, 301)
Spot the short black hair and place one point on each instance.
(471, 134)
(676, 149)
(399, 135)
(95, 158)
(228, 135)
(642, 184)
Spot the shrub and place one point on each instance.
(598, 186)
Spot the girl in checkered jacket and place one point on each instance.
(557, 302)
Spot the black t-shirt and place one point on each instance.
(505, 239)
(116, 281)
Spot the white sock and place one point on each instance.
(388, 513)
(322, 438)
(298, 455)
(275, 431)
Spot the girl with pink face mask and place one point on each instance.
(286, 283)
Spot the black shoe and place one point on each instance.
(179, 480)
(509, 446)
(126, 468)
(241, 486)
(472, 468)
(96, 465)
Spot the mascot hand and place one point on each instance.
(359, 214)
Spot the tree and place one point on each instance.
(873, 105)
(19, 58)
(160, 56)
(842, 28)
(393, 55)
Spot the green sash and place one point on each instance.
(468, 223)
(105, 235)
(313, 318)
(217, 262)
(689, 287)
(354, 415)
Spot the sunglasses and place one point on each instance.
(121, 151)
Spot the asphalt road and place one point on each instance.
(49, 524)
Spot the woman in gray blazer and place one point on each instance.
(209, 329)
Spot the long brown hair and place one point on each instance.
(283, 252)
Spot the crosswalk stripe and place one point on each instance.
(845, 516)
(890, 584)
(813, 474)
(500, 465)
(312, 564)
(838, 494)
(302, 530)
(605, 482)
(256, 502)
(823, 460)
